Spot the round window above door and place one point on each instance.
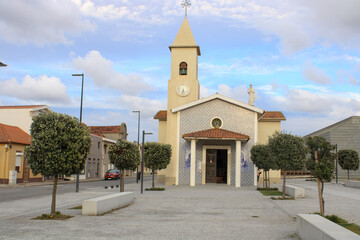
(216, 122)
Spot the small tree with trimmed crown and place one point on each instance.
(348, 160)
(157, 156)
(321, 164)
(124, 155)
(59, 146)
(289, 153)
(261, 157)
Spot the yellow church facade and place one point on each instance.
(210, 137)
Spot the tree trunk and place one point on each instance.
(348, 175)
(153, 178)
(122, 180)
(263, 179)
(269, 178)
(284, 183)
(53, 202)
(320, 189)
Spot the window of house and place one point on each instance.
(183, 68)
(105, 148)
(98, 145)
(18, 161)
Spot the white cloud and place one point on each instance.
(239, 92)
(102, 72)
(40, 89)
(342, 104)
(298, 24)
(316, 74)
(148, 107)
(40, 22)
(130, 10)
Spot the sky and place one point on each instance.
(302, 57)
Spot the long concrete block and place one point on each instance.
(352, 184)
(293, 191)
(107, 203)
(316, 227)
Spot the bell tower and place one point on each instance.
(183, 86)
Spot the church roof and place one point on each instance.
(185, 38)
(12, 134)
(161, 115)
(216, 133)
(272, 116)
(221, 97)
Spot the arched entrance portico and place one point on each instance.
(216, 134)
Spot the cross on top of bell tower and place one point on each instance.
(186, 4)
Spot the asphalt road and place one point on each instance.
(9, 194)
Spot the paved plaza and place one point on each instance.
(180, 212)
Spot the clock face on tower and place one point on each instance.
(183, 89)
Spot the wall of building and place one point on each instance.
(10, 164)
(162, 132)
(234, 119)
(93, 163)
(267, 129)
(17, 117)
(347, 136)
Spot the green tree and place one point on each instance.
(157, 156)
(348, 160)
(289, 153)
(321, 164)
(124, 155)
(261, 157)
(59, 146)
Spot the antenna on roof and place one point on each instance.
(186, 4)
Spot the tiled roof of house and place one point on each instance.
(21, 107)
(14, 135)
(273, 115)
(97, 134)
(161, 115)
(216, 133)
(105, 129)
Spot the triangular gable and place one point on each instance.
(220, 97)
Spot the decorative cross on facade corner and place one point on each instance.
(186, 4)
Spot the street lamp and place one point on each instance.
(138, 142)
(142, 161)
(81, 105)
(2, 64)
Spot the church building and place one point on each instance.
(210, 137)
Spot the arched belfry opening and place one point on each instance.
(183, 68)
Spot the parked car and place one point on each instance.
(112, 174)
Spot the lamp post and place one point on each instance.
(142, 160)
(2, 64)
(81, 105)
(336, 162)
(138, 142)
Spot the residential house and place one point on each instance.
(109, 133)
(21, 116)
(12, 145)
(97, 162)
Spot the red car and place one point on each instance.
(112, 174)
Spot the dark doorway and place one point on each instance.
(221, 166)
(216, 166)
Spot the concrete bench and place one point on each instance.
(352, 184)
(103, 204)
(311, 227)
(293, 191)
